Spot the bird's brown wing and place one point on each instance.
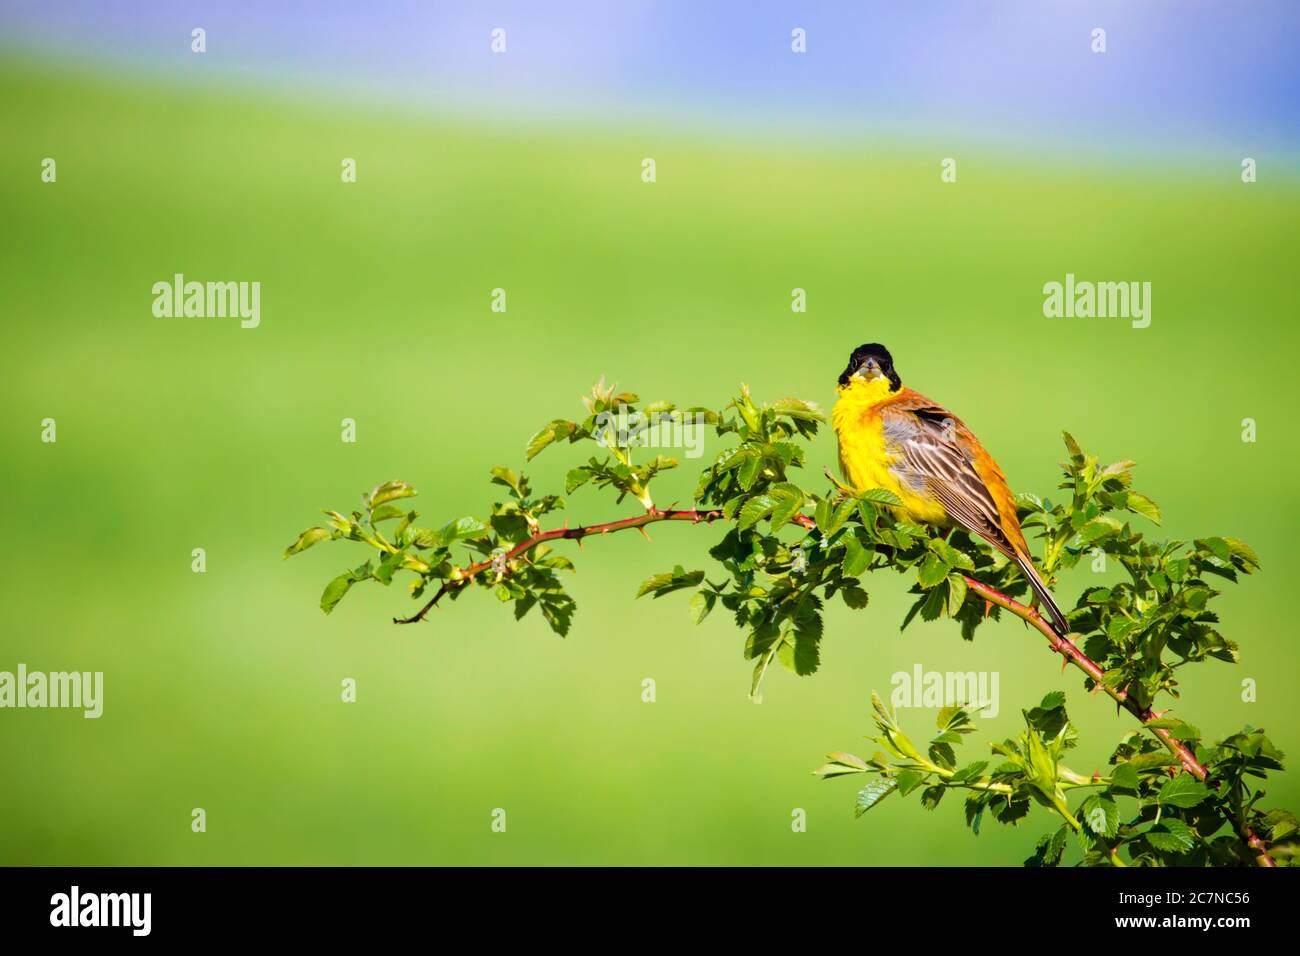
(936, 455)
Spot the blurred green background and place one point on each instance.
(222, 688)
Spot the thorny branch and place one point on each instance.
(1059, 643)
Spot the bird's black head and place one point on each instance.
(869, 362)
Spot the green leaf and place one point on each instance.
(1218, 547)
(931, 571)
(785, 509)
(1149, 761)
(467, 528)
(701, 604)
(760, 670)
(669, 581)
(970, 772)
(754, 510)
(386, 513)
(1180, 729)
(931, 796)
(748, 472)
(856, 556)
(389, 491)
(559, 428)
(1100, 815)
(558, 611)
(1052, 700)
(335, 590)
(1171, 835)
(799, 409)
(307, 539)
(507, 477)
(1103, 526)
(880, 496)
(873, 793)
(822, 513)
(855, 597)
(956, 593)
(1124, 777)
(839, 516)
(1183, 790)
(1242, 550)
(575, 479)
(840, 764)
(950, 555)
(1142, 505)
(1281, 823)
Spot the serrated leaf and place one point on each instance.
(807, 657)
(1242, 550)
(1183, 791)
(931, 571)
(785, 509)
(843, 511)
(1052, 700)
(873, 793)
(1103, 526)
(559, 428)
(970, 772)
(1100, 815)
(461, 528)
(505, 476)
(1142, 505)
(748, 471)
(754, 510)
(1171, 835)
(799, 409)
(855, 597)
(881, 496)
(575, 479)
(336, 589)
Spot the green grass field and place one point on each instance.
(222, 689)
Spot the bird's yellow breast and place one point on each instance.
(865, 459)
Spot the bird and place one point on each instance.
(895, 438)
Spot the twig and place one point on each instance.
(462, 576)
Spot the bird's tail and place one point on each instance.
(1043, 595)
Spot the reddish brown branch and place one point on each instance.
(1079, 659)
(1145, 715)
(1059, 643)
(463, 576)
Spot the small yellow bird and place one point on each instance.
(894, 438)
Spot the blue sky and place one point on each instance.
(1175, 75)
